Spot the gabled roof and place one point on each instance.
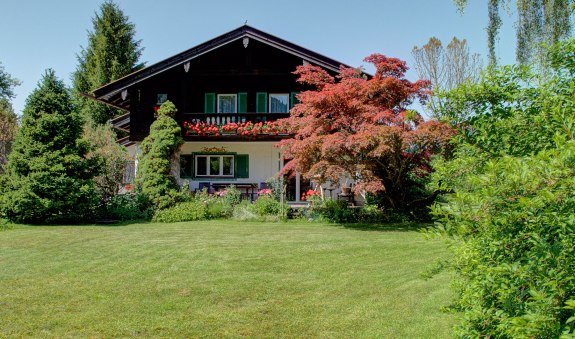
(106, 92)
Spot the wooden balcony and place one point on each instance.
(220, 119)
(212, 126)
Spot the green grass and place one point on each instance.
(221, 278)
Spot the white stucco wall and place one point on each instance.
(264, 159)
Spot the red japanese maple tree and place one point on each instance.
(357, 127)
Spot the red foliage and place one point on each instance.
(357, 127)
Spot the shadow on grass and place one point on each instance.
(388, 227)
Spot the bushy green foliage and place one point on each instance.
(112, 53)
(48, 178)
(231, 195)
(516, 257)
(510, 213)
(183, 211)
(201, 206)
(337, 211)
(126, 207)
(113, 156)
(155, 178)
(5, 224)
(267, 205)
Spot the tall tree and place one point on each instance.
(48, 178)
(359, 128)
(112, 53)
(8, 119)
(445, 68)
(540, 24)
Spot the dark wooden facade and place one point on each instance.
(245, 60)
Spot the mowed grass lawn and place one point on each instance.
(221, 278)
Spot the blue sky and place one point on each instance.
(48, 34)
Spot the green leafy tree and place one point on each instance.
(8, 119)
(155, 178)
(48, 178)
(511, 210)
(7, 84)
(112, 53)
(8, 128)
(540, 23)
(113, 157)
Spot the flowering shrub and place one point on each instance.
(243, 128)
(309, 194)
(265, 191)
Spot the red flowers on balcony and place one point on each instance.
(244, 128)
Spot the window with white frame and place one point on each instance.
(279, 103)
(227, 103)
(214, 165)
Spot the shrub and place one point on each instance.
(267, 205)
(372, 214)
(510, 213)
(337, 211)
(218, 208)
(112, 155)
(5, 224)
(128, 206)
(515, 257)
(231, 195)
(244, 212)
(183, 211)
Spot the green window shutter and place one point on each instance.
(210, 103)
(242, 102)
(293, 100)
(242, 169)
(261, 102)
(186, 166)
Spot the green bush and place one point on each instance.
(337, 211)
(125, 207)
(510, 210)
(516, 254)
(372, 214)
(218, 208)
(265, 208)
(267, 205)
(231, 195)
(5, 224)
(183, 211)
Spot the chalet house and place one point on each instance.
(229, 91)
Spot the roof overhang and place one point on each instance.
(110, 93)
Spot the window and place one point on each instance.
(279, 103)
(214, 165)
(161, 98)
(227, 103)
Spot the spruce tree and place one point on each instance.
(155, 179)
(48, 178)
(112, 53)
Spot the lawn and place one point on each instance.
(221, 278)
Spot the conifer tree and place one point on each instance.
(154, 178)
(112, 53)
(48, 178)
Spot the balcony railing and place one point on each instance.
(227, 118)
